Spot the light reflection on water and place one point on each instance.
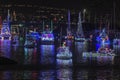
(47, 75)
(62, 74)
(45, 54)
(5, 48)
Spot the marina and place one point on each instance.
(42, 42)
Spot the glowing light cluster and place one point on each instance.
(5, 31)
(47, 37)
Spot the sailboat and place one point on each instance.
(116, 40)
(103, 50)
(69, 33)
(103, 39)
(79, 34)
(30, 41)
(5, 30)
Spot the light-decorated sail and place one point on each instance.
(79, 28)
(79, 33)
(5, 30)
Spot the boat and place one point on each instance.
(47, 35)
(69, 35)
(29, 41)
(102, 57)
(79, 34)
(116, 43)
(5, 30)
(103, 47)
(35, 35)
(15, 39)
(64, 52)
(64, 56)
(101, 52)
(103, 40)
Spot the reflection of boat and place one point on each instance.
(47, 54)
(29, 41)
(64, 74)
(79, 34)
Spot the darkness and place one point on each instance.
(95, 4)
(99, 7)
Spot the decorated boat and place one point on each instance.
(5, 30)
(101, 52)
(69, 35)
(79, 34)
(103, 39)
(29, 41)
(15, 39)
(103, 47)
(35, 35)
(47, 35)
(116, 43)
(64, 52)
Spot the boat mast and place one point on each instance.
(60, 36)
(43, 25)
(68, 29)
(79, 29)
(0, 22)
(8, 15)
(51, 26)
(114, 19)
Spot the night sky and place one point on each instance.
(97, 5)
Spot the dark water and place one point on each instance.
(45, 55)
(62, 74)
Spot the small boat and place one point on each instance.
(101, 52)
(29, 42)
(5, 30)
(64, 52)
(116, 43)
(103, 39)
(35, 35)
(47, 37)
(15, 39)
